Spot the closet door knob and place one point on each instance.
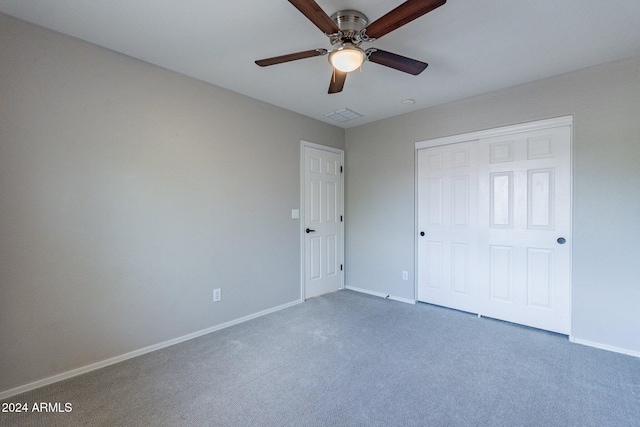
(422, 233)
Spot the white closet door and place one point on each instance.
(526, 246)
(448, 218)
(494, 224)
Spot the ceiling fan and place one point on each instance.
(348, 29)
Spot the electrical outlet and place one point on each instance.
(405, 275)
(216, 295)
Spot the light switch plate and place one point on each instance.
(295, 213)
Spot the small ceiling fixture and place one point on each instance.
(408, 101)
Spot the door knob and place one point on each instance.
(308, 230)
(561, 240)
(422, 233)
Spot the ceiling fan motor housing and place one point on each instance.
(351, 24)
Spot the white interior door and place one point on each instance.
(525, 187)
(322, 221)
(448, 225)
(497, 227)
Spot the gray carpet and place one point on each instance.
(348, 359)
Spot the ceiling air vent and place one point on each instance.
(343, 115)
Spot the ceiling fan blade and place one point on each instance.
(337, 81)
(401, 15)
(398, 62)
(315, 14)
(291, 57)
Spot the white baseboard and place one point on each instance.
(140, 352)
(604, 346)
(381, 295)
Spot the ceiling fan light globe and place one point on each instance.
(347, 59)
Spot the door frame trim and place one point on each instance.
(303, 145)
(499, 131)
(488, 133)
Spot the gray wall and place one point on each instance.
(605, 103)
(127, 194)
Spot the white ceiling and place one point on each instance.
(472, 46)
